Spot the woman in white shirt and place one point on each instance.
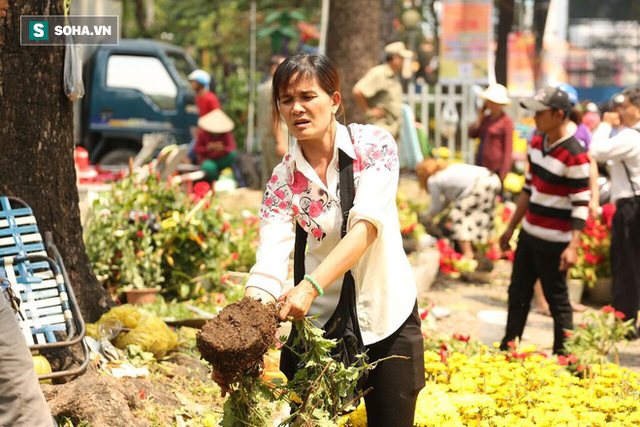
(623, 150)
(304, 189)
(472, 190)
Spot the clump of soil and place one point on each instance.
(235, 340)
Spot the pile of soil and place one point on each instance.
(236, 340)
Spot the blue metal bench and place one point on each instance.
(31, 270)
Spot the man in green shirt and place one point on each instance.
(379, 92)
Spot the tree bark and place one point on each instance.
(36, 141)
(353, 44)
(388, 32)
(540, 10)
(505, 23)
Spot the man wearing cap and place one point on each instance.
(379, 92)
(495, 131)
(215, 148)
(553, 208)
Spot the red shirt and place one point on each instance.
(207, 102)
(496, 144)
(203, 138)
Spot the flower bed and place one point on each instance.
(497, 389)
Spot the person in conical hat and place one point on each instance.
(215, 148)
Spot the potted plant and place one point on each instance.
(410, 227)
(594, 263)
(141, 268)
(148, 234)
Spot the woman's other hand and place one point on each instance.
(295, 304)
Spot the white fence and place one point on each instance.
(428, 106)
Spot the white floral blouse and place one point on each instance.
(385, 287)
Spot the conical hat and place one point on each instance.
(216, 121)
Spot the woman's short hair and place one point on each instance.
(428, 167)
(300, 67)
(633, 95)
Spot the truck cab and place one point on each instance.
(135, 88)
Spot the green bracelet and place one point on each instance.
(314, 283)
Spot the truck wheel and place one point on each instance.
(119, 156)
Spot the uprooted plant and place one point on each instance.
(321, 390)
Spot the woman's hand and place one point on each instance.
(295, 304)
(222, 383)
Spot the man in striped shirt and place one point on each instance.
(554, 205)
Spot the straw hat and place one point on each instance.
(216, 122)
(496, 93)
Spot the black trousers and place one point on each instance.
(396, 382)
(625, 258)
(531, 262)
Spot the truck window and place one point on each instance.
(183, 64)
(144, 73)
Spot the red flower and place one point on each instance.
(509, 255)
(279, 194)
(299, 184)
(200, 189)
(424, 314)
(572, 358)
(460, 337)
(608, 211)
(234, 256)
(274, 179)
(494, 254)
(581, 368)
(225, 226)
(590, 258)
(506, 214)
(512, 344)
(283, 205)
(139, 233)
(317, 233)
(608, 309)
(268, 202)
(568, 334)
(562, 360)
(620, 315)
(141, 394)
(295, 210)
(315, 209)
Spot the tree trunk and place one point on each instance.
(505, 23)
(353, 44)
(388, 32)
(540, 10)
(36, 141)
